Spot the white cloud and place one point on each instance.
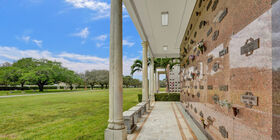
(82, 57)
(25, 38)
(76, 62)
(39, 43)
(99, 45)
(102, 9)
(83, 33)
(127, 43)
(101, 37)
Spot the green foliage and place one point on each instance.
(163, 97)
(128, 81)
(136, 67)
(94, 77)
(139, 97)
(40, 72)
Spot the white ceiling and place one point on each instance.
(146, 15)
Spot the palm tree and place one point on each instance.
(136, 67)
(166, 63)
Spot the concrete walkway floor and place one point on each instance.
(166, 121)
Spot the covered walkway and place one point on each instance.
(166, 121)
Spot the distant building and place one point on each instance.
(174, 79)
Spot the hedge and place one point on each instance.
(27, 88)
(163, 97)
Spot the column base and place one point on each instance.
(148, 106)
(115, 134)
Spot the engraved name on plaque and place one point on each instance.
(224, 88)
(210, 87)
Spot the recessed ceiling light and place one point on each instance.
(164, 18)
(165, 47)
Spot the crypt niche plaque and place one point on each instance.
(195, 110)
(250, 46)
(223, 131)
(208, 5)
(201, 87)
(223, 52)
(201, 114)
(215, 67)
(210, 59)
(209, 31)
(198, 94)
(222, 16)
(210, 87)
(224, 88)
(249, 99)
(215, 5)
(215, 35)
(216, 99)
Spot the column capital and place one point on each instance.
(145, 43)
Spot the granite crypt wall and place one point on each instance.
(228, 76)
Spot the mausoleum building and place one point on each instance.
(229, 63)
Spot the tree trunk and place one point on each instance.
(167, 80)
(41, 87)
(92, 86)
(102, 86)
(22, 84)
(71, 87)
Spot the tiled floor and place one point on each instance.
(165, 122)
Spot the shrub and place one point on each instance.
(163, 97)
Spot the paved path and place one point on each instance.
(165, 122)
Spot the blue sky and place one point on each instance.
(74, 32)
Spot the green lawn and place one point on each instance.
(162, 89)
(81, 115)
(19, 92)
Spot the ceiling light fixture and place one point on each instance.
(164, 18)
(165, 47)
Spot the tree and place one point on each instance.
(91, 78)
(23, 67)
(70, 78)
(103, 78)
(8, 75)
(45, 72)
(127, 81)
(136, 67)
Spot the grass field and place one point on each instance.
(81, 115)
(162, 89)
(19, 92)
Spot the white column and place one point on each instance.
(155, 89)
(116, 129)
(145, 90)
(152, 98)
(157, 82)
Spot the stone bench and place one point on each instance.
(143, 107)
(129, 121)
(138, 112)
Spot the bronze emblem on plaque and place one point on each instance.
(223, 52)
(215, 67)
(249, 99)
(250, 46)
